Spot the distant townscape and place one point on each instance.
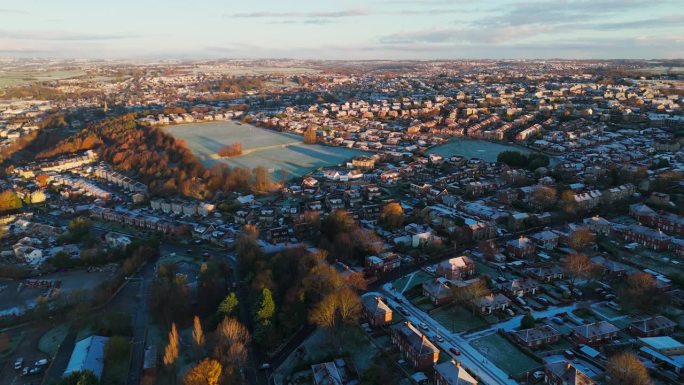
(452, 222)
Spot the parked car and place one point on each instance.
(402, 310)
(423, 326)
(455, 351)
(557, 320)
(18, 363)
(439, 338)
(543, 301)
(538, 374)
(41, 362)
(510, 312)
(265, 366)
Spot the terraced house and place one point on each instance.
(414, 345)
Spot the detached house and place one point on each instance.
(460, 268)
(521, 248)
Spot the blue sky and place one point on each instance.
(323, 29)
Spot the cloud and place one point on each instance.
(14, 11)
(60, 36)
(352, 12)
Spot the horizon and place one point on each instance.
(326, 30)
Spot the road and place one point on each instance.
(470, 358)
(514, 322)
(140, 322)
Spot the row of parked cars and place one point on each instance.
(37, 367)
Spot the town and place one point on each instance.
(340, 222)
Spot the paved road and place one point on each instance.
(140, 322)
(470, 358)
(61, 360)
(514, 322)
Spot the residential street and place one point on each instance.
(470, 357)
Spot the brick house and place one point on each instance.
(545, 274)
(536, 337)
(645, 236)
(489, 303)
(652, 326)
(376, 311)
(520, 287)
(565, 373)
(417, 349)
(521, 248)
(546, 239)
(595, 333)
(452, 373)
(438, 290)
(456, 268)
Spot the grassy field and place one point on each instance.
(261, 147)
(458, 319)
(14, 78)
(504, 354)
(411, 280)
(50, 341)
(253, 71)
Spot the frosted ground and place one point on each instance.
(260, 147)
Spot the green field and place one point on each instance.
(13, 78)
(504, 354)
(458, 319)
(274, 150)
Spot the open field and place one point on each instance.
(13, 78)
(253, 71)
(457, 318)
(504, 354)
(276, 151)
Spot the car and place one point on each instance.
(455, 351)
(439, 338)
(510, 312)
(538, 374)
(265, 366)
(18, 363)
(41, 362)
(402, 310)
(543, 301)
(557, 320)
(423, 326)
(189, 251)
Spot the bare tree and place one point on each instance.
(578, 266)
(231, 347)
(626, 369)
(580, 238)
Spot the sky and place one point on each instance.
(324, 29)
